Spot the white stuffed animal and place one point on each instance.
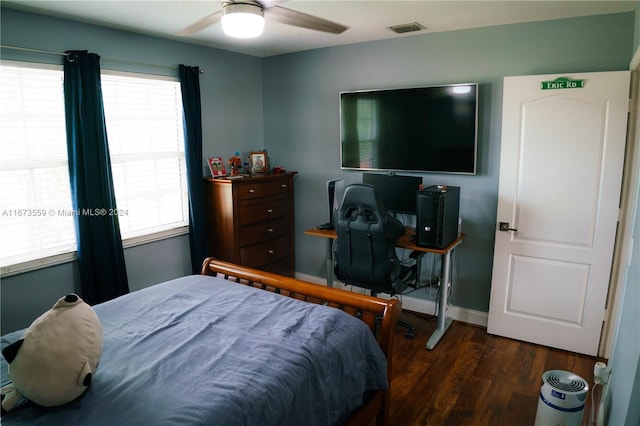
(56, 358)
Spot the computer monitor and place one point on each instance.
(398, 193)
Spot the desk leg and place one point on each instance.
(329, 256)
(419, 268)
(443, 321)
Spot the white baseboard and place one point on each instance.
(415, 304)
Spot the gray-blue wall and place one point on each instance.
(231, 117)
(625, 356)
(302, 123)
(289, 105)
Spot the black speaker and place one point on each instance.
(437, 216)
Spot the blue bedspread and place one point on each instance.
(199, 351)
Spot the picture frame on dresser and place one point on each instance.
(259, 161)
(216, 167)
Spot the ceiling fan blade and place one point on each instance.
(266, 4)
(299, 19)
(201, 24)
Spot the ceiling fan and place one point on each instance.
(252, 13)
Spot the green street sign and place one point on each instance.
(562, 83)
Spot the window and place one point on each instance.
(367, 111)
(36, 218)
(146, 143)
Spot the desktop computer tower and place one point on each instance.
(437, 216)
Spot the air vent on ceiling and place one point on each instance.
(406, 28)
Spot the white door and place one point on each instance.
(560, 177)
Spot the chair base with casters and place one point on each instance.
(408, 275)
(410, 329)
(365, 254)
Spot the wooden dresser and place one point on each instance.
(250, 221)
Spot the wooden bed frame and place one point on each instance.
(380, 315)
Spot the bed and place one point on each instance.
(234, 346)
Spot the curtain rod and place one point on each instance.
(123, 62)
(28, 49)
(66, 55)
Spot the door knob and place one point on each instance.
(504, 226)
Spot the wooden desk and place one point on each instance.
(405, 242)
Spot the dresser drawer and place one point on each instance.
(252, 234)
(266, 252)
(254, 211)
(251, 190)
(282, 267)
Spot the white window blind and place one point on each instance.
(146, 144)
(145, 136)
(36, 218)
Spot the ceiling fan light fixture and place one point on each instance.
(242, 20)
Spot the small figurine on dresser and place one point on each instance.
(235, 164)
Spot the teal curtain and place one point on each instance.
(100, 253)
(191, 106)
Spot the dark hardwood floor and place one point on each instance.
(472, 377)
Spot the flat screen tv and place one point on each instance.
(421, 129)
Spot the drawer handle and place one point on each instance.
(271, 251)
(269, 211)
(283, 186)
(270, 230)
(251, 191)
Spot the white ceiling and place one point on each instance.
(367, 20)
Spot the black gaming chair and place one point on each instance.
(365, 254)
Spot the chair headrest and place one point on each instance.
(362, 199)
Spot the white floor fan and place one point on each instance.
(260, 11)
